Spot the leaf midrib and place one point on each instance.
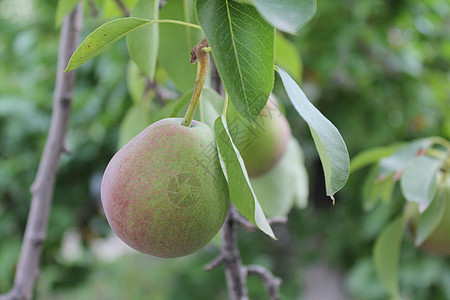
(236, 55)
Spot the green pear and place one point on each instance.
(263, 143)
(164, 192)
(438, 242)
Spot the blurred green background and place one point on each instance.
(378, 69)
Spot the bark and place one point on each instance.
(27, 270)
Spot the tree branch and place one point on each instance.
(271, 282)
(234, 271)
(27, 270)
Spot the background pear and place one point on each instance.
(263, 143)
(164, 192)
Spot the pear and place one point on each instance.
(263, 143)
(164, 192)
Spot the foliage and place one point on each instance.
(377, 69)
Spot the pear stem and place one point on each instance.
(200, 53)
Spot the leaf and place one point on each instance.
(287, 15)
(209, 106)
(63, 8)
(241, 192)
(398, 161)
(285, 183)
(135, 82)
(143, 42)
(386, 256)
(243, 48)
(418, 182)
(176, 43)
(111, 9)
(371, 156)
(431, 217)
(329, 143)
(136, 119)
(287, 56)
(102, 37)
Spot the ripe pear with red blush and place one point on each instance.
(164, 192)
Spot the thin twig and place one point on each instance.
(271, 282)
(214, 263)
(42, 189)
(93, 8)
(124, 9)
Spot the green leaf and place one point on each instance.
(371, 156)
(243, 48)
(135, 82)
(386, 256)
(63, 8)
(209, 106)
(285, 183)
(102, 37)
(111, 10)
(176, 43)
(398, 161)
(136, 119)
(431, 217)
(287, 15)
(143, 42)
(241, 192)
(288, 57)
(329, 143)
(418, 182)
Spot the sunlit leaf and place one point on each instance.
(387, 254)
(329, 143)
(143, 42)
(102, 37)
(241, 192)
(287, 15)
(243, 48)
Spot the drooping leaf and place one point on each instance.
(283, 185)
(287, 15)
(288, 57)
(143, 42)
(431, 217)
(418, 182)
(176, 43)
(243, 49)
(241, 191)
(102, 37)
(136, 119)
(63, 8)
(386, 256)
(329, 143)
(371, 156)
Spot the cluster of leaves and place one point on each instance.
(242, 43)
(421, 167)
